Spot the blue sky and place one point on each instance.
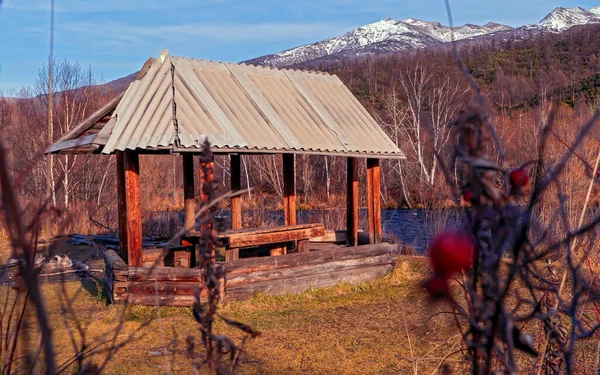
(115, 37)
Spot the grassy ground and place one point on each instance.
(380, 327)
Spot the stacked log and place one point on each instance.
(113, 263)
(295, 273)
(158, 286)
(291, 273)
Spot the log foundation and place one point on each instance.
(288, 273)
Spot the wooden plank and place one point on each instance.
(232, 254)
(250, 239)
(189, 194)
(104, 133)
(282, 228)
(236, 183)
(133, 208)
(179, 258)
(158, 287)
(243, 266)
(352, 202)
(82, 141)
(122, 204)
(163, 274)
(303, 283)
(374, 202)
(289, 188)
(304, 270)
(93, 119)
(332, 236)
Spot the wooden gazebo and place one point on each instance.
(176, 103)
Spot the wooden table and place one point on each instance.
(278, 238)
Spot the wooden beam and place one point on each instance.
(249, 238)
(374, 202)
(77, 142)
(352, 202)
(289, 188)
(189, 194)
(133, 208)
(86, 124)
(122, 204)
(236, 182)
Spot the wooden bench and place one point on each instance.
(277, 238)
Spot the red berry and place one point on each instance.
(518, 179)
(437, 287)
(451, 252)
(468, 196)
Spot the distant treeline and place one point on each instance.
(415, 97)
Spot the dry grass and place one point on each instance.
(360, 329)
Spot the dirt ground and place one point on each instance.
(380, 327)
(387, 326)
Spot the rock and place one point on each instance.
(39, 260)
(63, 261)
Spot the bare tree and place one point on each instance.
(431, 103)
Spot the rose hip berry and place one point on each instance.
(451, 252)
(468, 196)
(518, 179)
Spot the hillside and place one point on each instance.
(390, 36)
(563, 66)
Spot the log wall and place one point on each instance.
(291, 273)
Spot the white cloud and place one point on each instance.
(110, 32)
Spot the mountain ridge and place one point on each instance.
(390, 35)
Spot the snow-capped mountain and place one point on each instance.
(564, 18)
(390, 35)
(384, 36)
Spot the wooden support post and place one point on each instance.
(130, 211)
(303, 246)
(374, 202)
(232, 254)
(189, 194)
(289, 188)
(236, 182)
(122, 204)
(278, 249)
(189, 204)
(352, 201)
(207, 178)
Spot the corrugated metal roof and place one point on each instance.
(180, 102)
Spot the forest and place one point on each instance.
(415, 97)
